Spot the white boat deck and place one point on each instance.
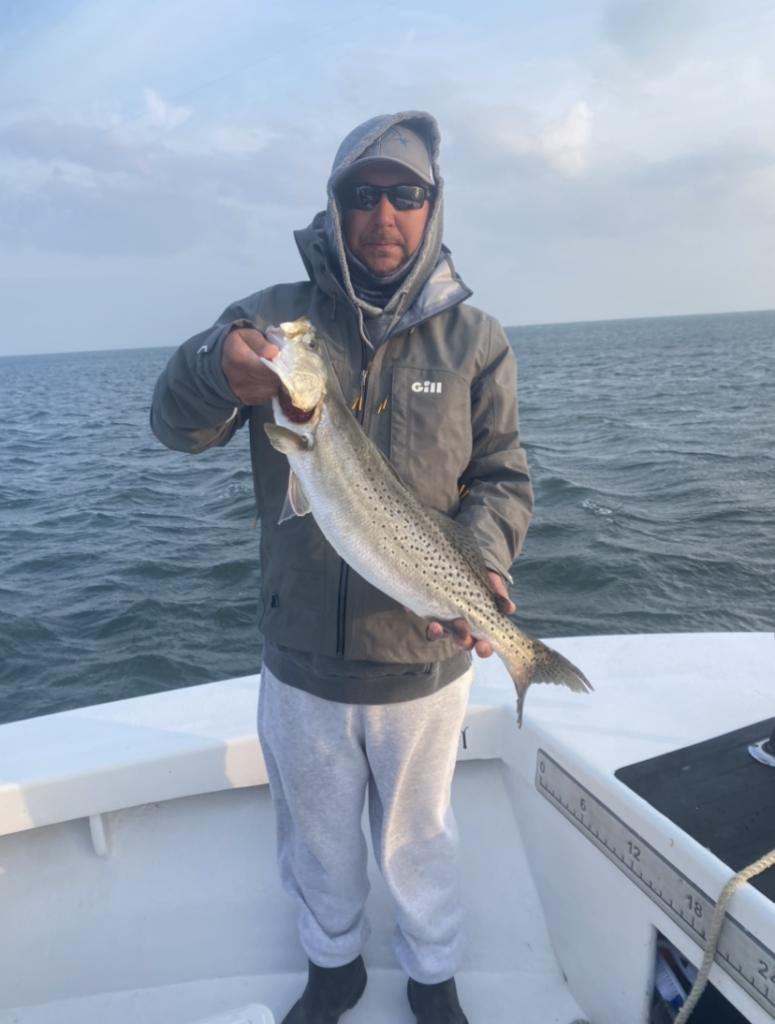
(183, 918)
(186, 918)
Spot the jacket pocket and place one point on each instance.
(292, 607)
(430, 432)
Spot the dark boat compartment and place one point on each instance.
(718, 794)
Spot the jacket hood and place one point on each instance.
(408, 290)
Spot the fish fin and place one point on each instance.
(297, 497)
(503, 602)
(295, 503)
(286, 441)
(455, 627)
(287, 511)
(538, 663)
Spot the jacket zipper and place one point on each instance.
(341, 608)
(359, 408)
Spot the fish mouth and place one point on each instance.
(293, 412)
(301, 388)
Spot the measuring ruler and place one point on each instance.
(741, 955)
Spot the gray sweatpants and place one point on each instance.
(321, 758)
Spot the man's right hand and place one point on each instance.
(250, 380)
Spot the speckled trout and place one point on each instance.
(419, 557)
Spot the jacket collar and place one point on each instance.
(443, 288)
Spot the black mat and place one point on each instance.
(718, 794)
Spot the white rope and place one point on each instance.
(714, 932)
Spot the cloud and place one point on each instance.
(159, 114)
(511, 133)
(240, 141)
(594, 163)
(711, 192)
(79, 189)
(655, 32)
(567, 145)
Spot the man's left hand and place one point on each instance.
(462, 635)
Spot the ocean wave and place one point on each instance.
(128, 568)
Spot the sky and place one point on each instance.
(602, 159)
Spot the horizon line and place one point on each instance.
(509, 327)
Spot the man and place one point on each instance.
(358, 695)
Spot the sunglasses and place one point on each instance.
(400, 197)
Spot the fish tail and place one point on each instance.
(534, 662)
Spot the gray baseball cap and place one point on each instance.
(399, 145)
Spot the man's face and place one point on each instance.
(384, 238)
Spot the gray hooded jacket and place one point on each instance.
(436, 394)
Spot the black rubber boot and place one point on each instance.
(329, 992)
(435, 1004)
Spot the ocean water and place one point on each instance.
(126, 568)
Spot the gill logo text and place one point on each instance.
(427, 387)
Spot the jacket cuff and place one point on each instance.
(505, 576)
(208, 359)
